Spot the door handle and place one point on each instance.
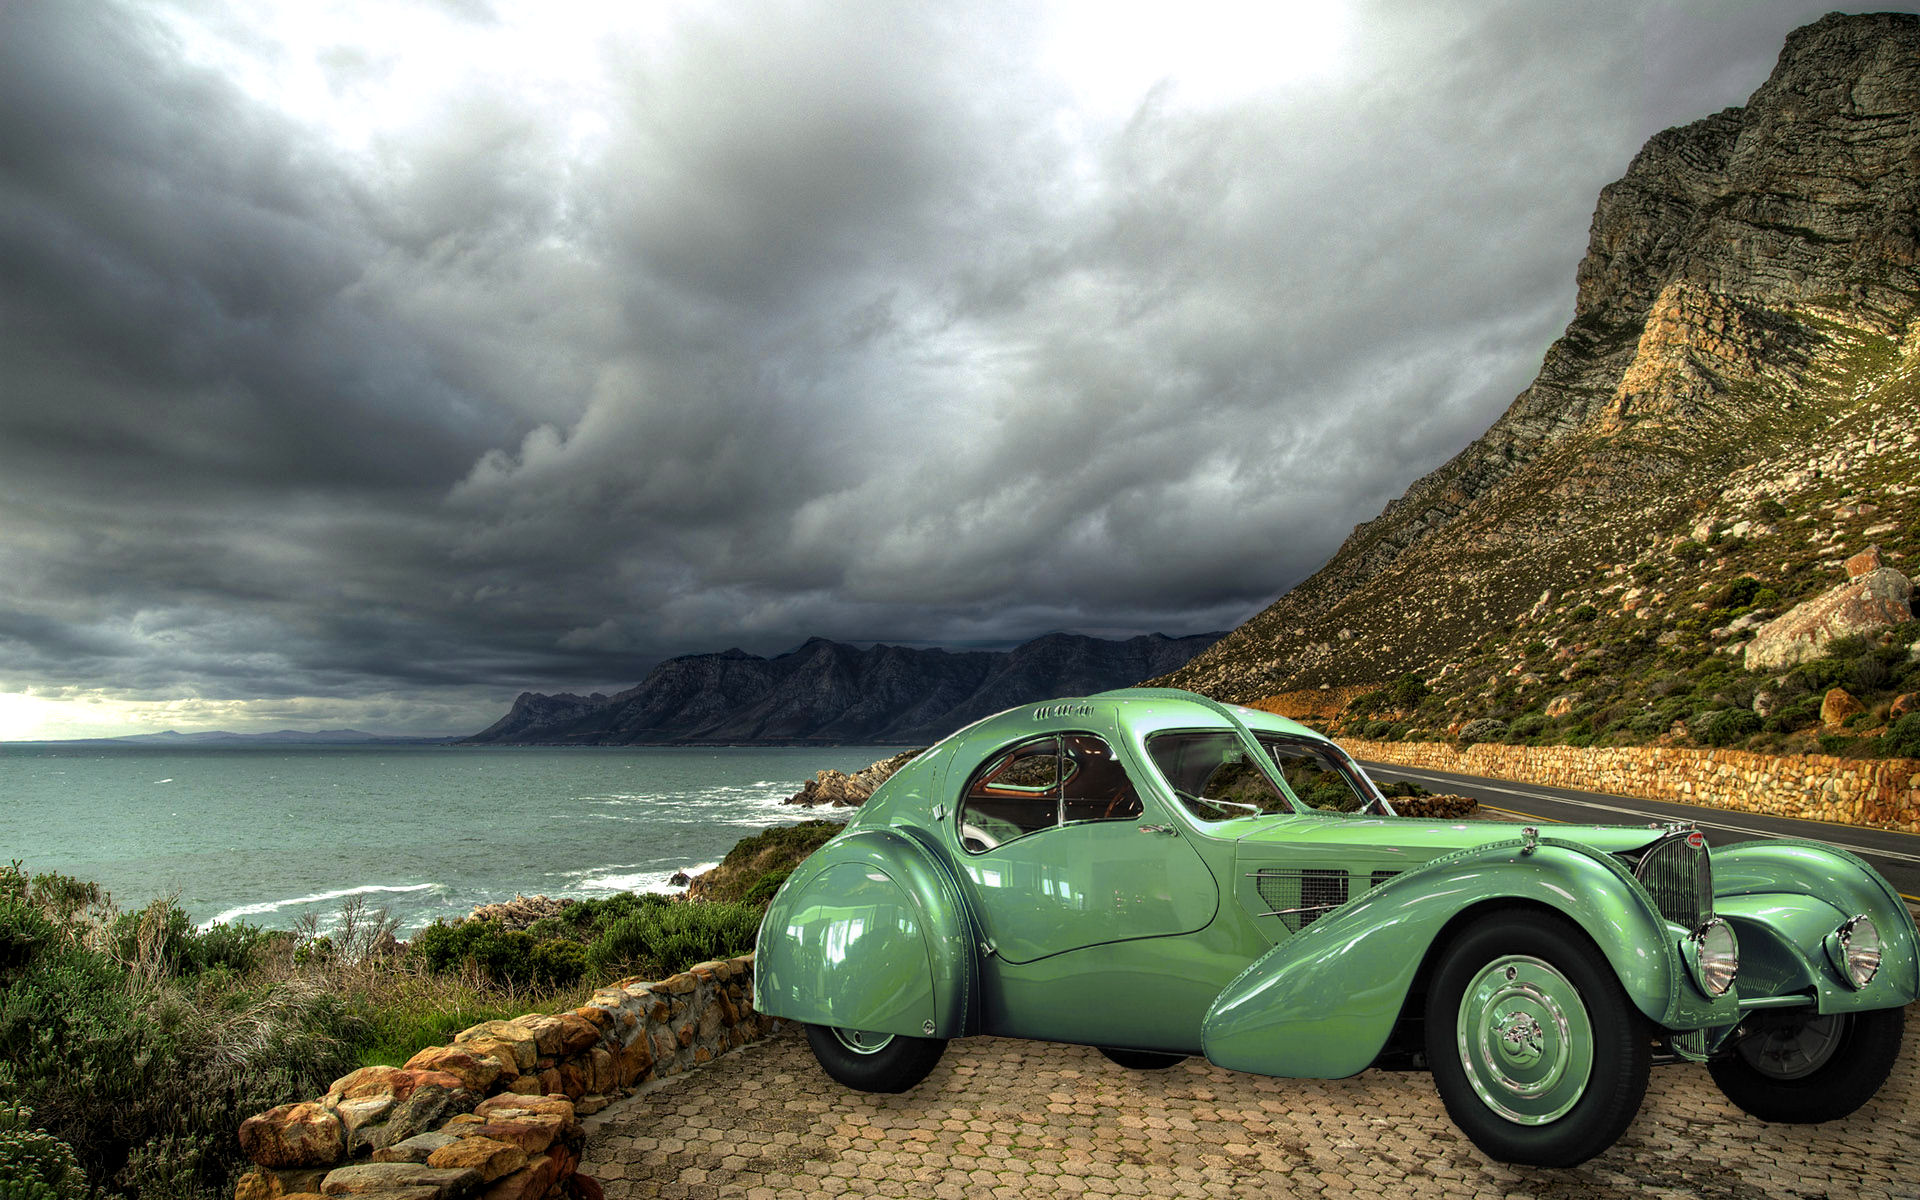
(1166, 829)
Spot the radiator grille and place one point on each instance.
(1679, 877)
(1301, 897)
(1380, 877)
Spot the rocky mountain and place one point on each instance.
(1735, 400)
(830, 692)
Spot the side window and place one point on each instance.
(1014, 794)
(1317, 776)
(1095, 787)
(1211, 776)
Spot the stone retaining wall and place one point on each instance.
(1881, 793)
(494, 1116)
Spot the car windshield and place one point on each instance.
(1322, 777)
(1210, 772)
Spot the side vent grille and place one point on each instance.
(1299, 898)
(1380, 877)
(1677, 874)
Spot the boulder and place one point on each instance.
(1560, 706)
(389, 1177)
(1903, 704)
(1875, 599)
(294, 1135)
(491, 1159)
(1837, 707)
(475, 1071)
(1863, 563)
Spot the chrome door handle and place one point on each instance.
(1166, 829)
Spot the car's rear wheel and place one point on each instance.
(1142, 1060)
(1538, 1054)
(1805, 1068)
(874, 1062)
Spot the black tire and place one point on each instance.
(874, 1062)
(1142, 1060)
(1800, 1071)
(1504, 991)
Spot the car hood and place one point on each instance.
(1424, 839)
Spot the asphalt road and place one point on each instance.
(1894, 855)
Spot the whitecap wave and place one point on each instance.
(270, 906)
(620, 880)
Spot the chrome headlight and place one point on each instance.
(1854, 949)
(1716, 957)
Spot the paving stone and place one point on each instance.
(1002, 1117)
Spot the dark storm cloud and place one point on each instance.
(779, 320)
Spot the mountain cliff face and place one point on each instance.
(1741, 350)
(829, 692)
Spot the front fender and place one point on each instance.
(869, 933)
(1322, 1004)
(1784, 897)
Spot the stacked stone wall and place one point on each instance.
(494, 1116)
(1880, 793)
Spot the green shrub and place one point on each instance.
(1730, 726)
(1796, 716)
(1529, 726)
(1484, 729)
(35, 1165)
(1584, 613)
(668, 939)
(1902, 738)
(1648, 724)
(764, 888)
(512, 958)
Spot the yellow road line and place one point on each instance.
(1525, 816)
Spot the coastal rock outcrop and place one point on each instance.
(837, 789)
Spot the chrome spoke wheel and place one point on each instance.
(1795, 1051)
(1525, 1039)
(862, 1041)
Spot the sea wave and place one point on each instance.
(270, 906)
(619, 879)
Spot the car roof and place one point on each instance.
(1136, 711)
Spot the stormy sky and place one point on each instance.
(368, 363)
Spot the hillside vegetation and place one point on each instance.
(1728, 419)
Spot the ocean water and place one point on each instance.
(272, 835)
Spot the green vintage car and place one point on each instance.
(1160, 875)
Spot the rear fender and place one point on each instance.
(869, 933)
(1322, 1003)
(1784, 897)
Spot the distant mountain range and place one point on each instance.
(829, 692)
(279, 737)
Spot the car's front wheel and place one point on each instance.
(1802, 1068)
(874, 1062)
(1538, 1054)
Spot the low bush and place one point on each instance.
(667, 939)
(35, 1165)
(1485, 729)
(1730, 726)
(1902, 739)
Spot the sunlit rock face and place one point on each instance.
(1744, 310)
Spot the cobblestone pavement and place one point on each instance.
(1002, 1118)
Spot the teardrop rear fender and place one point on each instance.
(869, 933)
